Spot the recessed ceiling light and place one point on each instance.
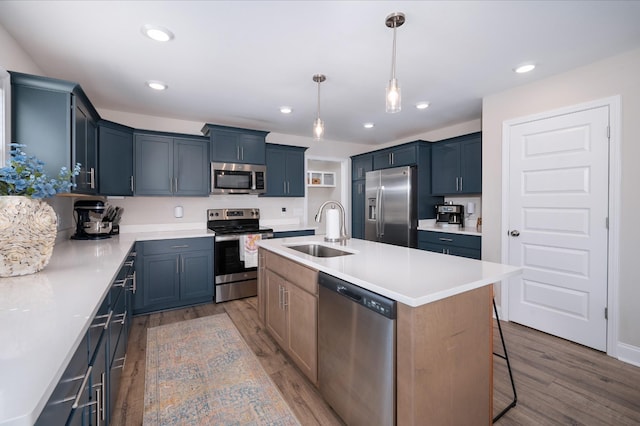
(156, 85)
(286, 109)
(422, 105)
(368, 125)
(524, 68)
(157, 33)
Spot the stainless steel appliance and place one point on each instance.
(449, 215)
(235, 270)
(230, 178)
(91, 222)
(356, 352)
(391, 206)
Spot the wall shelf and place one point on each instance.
(319, 179)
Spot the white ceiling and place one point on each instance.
(236, 62)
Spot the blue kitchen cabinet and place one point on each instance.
(451, 243)
(235, 145)
(360, 165)
(166, 165)
(57, 123)
(357, 208)
(402, 155)
(285, 171)
(457, 165)
(173, 273)
(115, 159)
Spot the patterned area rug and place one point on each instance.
(201, 372)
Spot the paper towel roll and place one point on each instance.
(332, 229)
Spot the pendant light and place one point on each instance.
(393, 89)
(318, 124)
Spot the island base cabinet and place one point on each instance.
(291, 310)
(445, 371)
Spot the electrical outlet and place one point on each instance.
(283, 211)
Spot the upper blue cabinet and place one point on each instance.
(234, 145)
(285, 171)
(115, 159)
(57, 123)
(457, 165)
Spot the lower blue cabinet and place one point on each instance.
(88, 389)
(173, 273)
(450, 243)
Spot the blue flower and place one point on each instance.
(24, 175)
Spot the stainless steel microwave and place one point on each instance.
(232, 178)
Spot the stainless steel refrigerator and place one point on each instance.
(391, 211)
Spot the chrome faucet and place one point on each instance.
(343, 231)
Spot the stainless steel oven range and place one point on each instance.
(236, 256)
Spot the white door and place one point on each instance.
(558, 206)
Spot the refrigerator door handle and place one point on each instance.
(378, 199)
(381, 212)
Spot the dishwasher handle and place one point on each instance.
(351, 295)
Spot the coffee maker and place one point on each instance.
(89, 215)
(449, 215)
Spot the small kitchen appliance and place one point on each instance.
(235, 271)
(449, 215)
(91, 223)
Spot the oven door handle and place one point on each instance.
(236, 237)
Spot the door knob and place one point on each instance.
(514, 233)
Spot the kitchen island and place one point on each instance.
(444, 320)
(44, 316)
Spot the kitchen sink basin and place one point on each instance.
(319, 250)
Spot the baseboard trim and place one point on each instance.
(629, 354)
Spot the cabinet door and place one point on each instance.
(445, 168)
(42, 120)
(395, 157)
(191, 167)
(252, 149)
(276, 316)
(225, 146)
(357, 208)
(160, 280)
(295, 173)
(471, 166)
(115, 161)
(196, 275)
(276, 173)
(85, 149)
(154, 165)
(360, 165)
(302, 311)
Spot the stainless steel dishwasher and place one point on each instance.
(357, 352)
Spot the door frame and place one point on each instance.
(615, 178)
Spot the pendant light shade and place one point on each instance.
(318, 124)
(393, 88)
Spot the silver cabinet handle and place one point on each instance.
(242, 152)
(285, 298)
(131, 182)
(284, 187)
(76, 403)
(238, 152)
(457, 183)
(177, 264)
(180, 246)
(105, 325)
(514, 233)
(182, 263)
(119, 283)
(445, 239)
(133, 279)
(460, 183)
(288, 188)
(279, 296)
(92, 181)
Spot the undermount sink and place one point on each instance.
(319, 250)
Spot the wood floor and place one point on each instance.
(558, 382)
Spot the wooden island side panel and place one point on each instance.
(444, 361)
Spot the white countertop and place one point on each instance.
(44, 316)
(410, 276)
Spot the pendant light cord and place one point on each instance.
(393, 54)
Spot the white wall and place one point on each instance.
(618, 75)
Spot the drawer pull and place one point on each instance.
(446, 239)
(180, 246)
(82, 386)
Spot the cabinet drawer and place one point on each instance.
(303, 277)
(452, 250)
(176, 245)
(301, 233)
(448, 239)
